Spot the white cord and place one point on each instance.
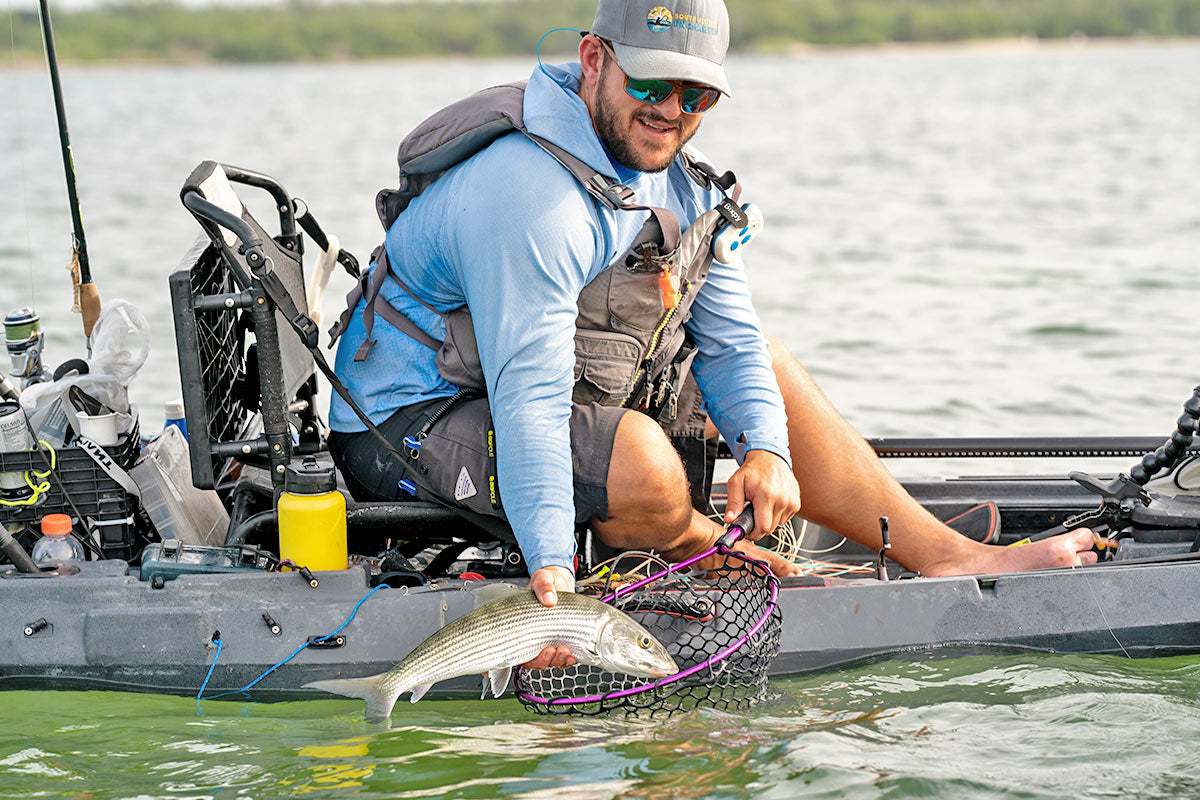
(836, 545)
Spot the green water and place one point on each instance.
(958, 243)
(1027, 727)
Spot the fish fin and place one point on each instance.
(499, 677)
(489, 593)
(379, 705)
(419, 691)
(483, 689)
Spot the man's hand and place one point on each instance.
(765, 480)
(546, 583)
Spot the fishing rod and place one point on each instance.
(87, 296)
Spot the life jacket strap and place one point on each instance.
(616, 196)
(369, 286)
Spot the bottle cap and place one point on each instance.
(174, 408)
(56, 524)
(310, 476)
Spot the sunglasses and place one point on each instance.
(693, 98)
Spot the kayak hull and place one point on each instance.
(158, 640)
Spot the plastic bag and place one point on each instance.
(54, 417)
(120, 341)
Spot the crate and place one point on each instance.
(81, 489)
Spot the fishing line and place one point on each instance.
(811, 552)
(12, 39)
(1087, 582)
(787, 541)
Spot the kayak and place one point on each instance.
(104, 626)
(164, 614)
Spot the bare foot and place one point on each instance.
(1071, 549)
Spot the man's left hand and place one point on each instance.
(546, 583)
(765, 480)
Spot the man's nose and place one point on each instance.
(670, 108)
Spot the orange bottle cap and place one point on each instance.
(56, 523)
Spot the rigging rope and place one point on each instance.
(38, 489)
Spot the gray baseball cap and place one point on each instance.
(667, 39)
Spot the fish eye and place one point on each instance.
(644, 642)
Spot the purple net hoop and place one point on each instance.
(721, 627)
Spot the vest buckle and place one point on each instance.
(618, 194)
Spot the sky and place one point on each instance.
(72, 5)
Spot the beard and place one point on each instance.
(616, 132)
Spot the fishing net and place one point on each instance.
(722, 626)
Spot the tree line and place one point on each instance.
(162, 30)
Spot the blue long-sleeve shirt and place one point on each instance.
(510, 233)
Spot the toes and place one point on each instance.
(1082, 538)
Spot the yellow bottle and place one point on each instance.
(312, 517)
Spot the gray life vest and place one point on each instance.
(630, 350)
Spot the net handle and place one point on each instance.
(742, 526)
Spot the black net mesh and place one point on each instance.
(221, 338)
(725, 616)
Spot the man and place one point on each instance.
(546, 269)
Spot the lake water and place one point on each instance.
(1020, 727)
(974, 242)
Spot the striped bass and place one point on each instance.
(512, 630)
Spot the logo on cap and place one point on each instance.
(659, 19)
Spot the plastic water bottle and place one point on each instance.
(57, 546)
(173, 410)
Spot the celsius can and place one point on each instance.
(14, 438)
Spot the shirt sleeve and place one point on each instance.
(732, 365)
(522, 251)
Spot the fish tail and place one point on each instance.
(369, 689)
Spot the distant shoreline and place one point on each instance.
(308, 31)
(999, 45)
(1006, 44)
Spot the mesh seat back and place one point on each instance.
(234, 370)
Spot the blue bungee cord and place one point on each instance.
(542, 66)
(216, 640)
(219, 644)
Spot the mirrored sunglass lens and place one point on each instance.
(652, 92)
(697, 101)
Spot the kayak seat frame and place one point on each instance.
(248, 377)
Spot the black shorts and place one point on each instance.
(455, 461)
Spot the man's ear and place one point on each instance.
(591, 58)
